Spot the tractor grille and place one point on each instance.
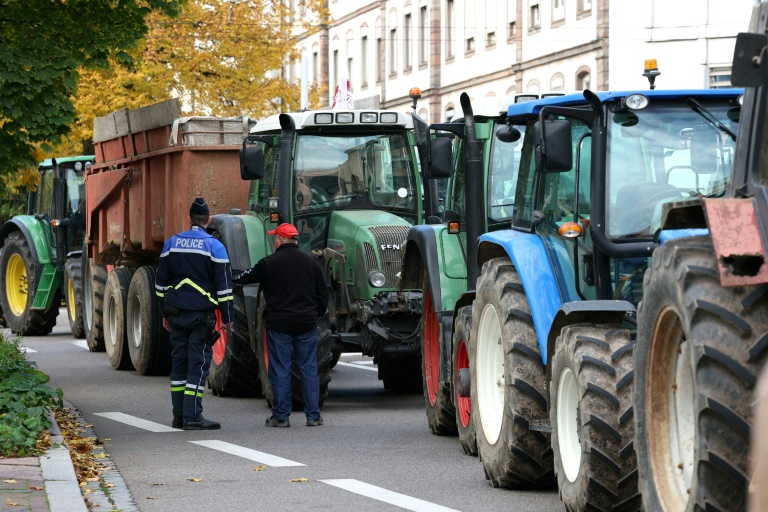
(389, 241)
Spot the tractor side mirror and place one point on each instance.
(251, 162)
(441, 151)
(554, 145)
(749, 67)
(508, 134)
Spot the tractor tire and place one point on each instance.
(149, 345)
(335, 356)
(441, 414)
(234, 368)
(460, 361)
(592, 418)
(115, 304)
(699, 351)
(94, 282)
(17, 291)
(73, 284)
(324, 357)
(508, 383)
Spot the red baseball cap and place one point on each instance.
(285, 230)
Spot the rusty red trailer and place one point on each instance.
(150, 165)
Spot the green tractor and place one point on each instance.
(350, 182)
(41, 261)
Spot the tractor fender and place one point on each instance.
(421, 261)
(30, 228)
(593, 311)
(533, 265)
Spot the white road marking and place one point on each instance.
(28, 350)
(380, 494)
(352, 354)
(137, 422)
(353, 365)
(364, 362)
(81, 344)
(247, 453)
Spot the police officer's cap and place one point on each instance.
(199, 207)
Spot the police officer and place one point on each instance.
(193, 279)
(296, 294)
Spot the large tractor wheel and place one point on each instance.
(149, 346)
(94, 282)
(699, 350)
(508, 383)
(234, 369)
(441, 414)
(73, 284)
(462, 381)
(115, 301)
(17, 275)
(324, 357)
(592, 418)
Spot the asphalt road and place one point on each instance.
(375, 451)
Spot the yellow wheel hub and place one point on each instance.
(16, 284)
(71, 300)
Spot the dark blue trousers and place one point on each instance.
(190, 361)
(283, 347)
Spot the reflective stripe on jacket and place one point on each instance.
(194, 274)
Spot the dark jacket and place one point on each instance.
(294, 288)
(194, 274)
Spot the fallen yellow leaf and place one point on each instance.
(109, 485)
(12, 503)
(195, 479)
(92, 479)
(299, 480)
(107, 438)
(10, 481)
(35, 487)
(101, 455)
(82, 484)
(260, 468)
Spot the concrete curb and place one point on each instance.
(61, 485)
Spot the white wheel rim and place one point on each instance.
(136, 324)
(568, 424)
(682, 425)
(490, 374)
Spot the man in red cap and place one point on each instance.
(297, 296)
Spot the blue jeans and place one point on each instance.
(283, 347)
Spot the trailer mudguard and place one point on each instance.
(528, 254)
(429, 248)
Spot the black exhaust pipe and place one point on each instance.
(473, 189)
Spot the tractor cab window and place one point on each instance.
(666, 152)
(44, 202)
(260, 191)
(74, 208)
(502, 183)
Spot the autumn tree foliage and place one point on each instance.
(43, 46)
(220, 57)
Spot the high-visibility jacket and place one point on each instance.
(194, 274)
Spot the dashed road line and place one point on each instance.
(360, 366)
(81, 344)
(381, 494)
(137, 422)
(351, 354)
(247, 453)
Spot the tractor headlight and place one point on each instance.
(377, 278)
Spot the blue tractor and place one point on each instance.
(553, 309)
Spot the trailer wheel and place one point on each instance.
(234, 369)
(699, 350)
(115, 300)
(592, 418)
(508, 383)
(94, 282)
(17, 275)
(149, 345)
(324, 357)
(73, 284)
(441, 414)
(461, 376)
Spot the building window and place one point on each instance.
(583, 79)
(535, 17)
(469, 24)
(364, 61)
(558, 10)
(315, 66)
(335, 67)
(533, 86)
(393, 51)
(349, 52)
(407, 29)
(470, 45)
(491, 22)
(449, 28)
(490, 39)
(379, 59)
(719, 77)
(423, 35)
(585, 5)
(511, 30)
(557, 82)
